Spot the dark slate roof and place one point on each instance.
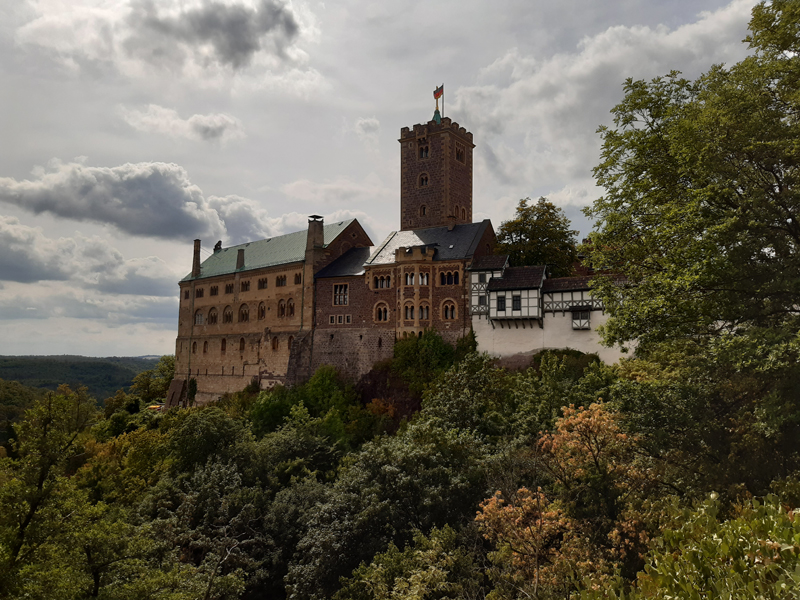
(279, 250)
(349, 263)
(518, 278)
(489, 263)
(564, 284)
(460, 243)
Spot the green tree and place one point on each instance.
(701, 211)
(152, 385)
(540, 234)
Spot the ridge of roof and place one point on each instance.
(457, 243)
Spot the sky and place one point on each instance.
(131, 127)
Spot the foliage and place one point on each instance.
(539, 235)
(14, 399)
(701, 213)
(419, 360)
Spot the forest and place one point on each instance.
(672, 474)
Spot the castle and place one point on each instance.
(273, 311)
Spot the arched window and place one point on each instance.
(212, 316)
(463, 214)
(378, 281)
(205, 347)
(388, 281)
(423, 180)
(443, 278)
(449, 278)
(409, 313)
(449, 311)
(423, 151)
(455, 211)
(244, 313)
(423, 279)
(262, 311)
(275, 343)
(198, 317)
(409, 279)
(194, 347)
(290, 307)
(455, 278)
(381, 313)
(223, 346)
(423, 210)
(282, 308)
(424, 312)
(241, 344)
(227, 315)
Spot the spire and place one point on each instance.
(436, 116)
(438, 93)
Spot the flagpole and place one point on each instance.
(443, 101)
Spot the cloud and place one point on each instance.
(230, 34)
(535, 117)
(244, 220)
(341, 191)
(207, 128)
(368, 131)
(28, 256)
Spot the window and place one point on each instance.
(340, 295)
(382, 313)
(280, 281)
(424, 313)
(227, 315)
(455, 278)
(212, 316)
(245, 286)
(214, 290)
(194, 347)
(332, 320)
(282, 308)
(516, 303)
(198, 293)
(262, 283)
(501, 304)
(580, 319)
(449, 311)
(186, 295)
(423, 180)
(461, 153)
(423, 210)
(241, 345)
(409, 279)
(244, 313)
(443, 278)
(298, 279)
(423, 151)
(449, 278)
(482, 300)
(228, 288)
(222, 348)
(409, 313)
(481, 277)
(262, 311)
(205, 347)
(463, 214)
(340, 319)
(348, 319)
(290, 308)
(198, 317)
(423, 279)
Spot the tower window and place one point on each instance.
(423, 151)
(423, 210)
(461, 153)
(463, 214)
(423, 180)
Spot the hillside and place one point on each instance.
(102, 376)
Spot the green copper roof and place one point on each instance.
(271, 252)
(437, 117)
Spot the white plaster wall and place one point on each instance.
(506, 342)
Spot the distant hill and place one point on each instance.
(103, 376)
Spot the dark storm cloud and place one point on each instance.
(234, 33)
(28, 256)
(151, 199)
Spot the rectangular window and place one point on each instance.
(332, 320)
(198, 293)
(516, 303)
(501, 304)
(340, 319)
(481, 277)
(214, 290)
(340, 295)
(245, 287)
(298, 278)
(262, 283)
(186, 294)
(482, 300)
(228, 288)
(348, 319)
(580, 319)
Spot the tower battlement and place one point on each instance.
(423, 129)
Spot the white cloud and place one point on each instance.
(341, 191)
(216, 127)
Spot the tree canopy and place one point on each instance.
(539, 234)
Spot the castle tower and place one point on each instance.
(435, 174)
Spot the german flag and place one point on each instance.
(438, 92)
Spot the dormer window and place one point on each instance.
(423, 180)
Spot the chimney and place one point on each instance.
(196, 259)
(316, 236)
(240, 259)
(218, 246)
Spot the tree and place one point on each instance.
(701, 211)
(152, 385)
(539, 235)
